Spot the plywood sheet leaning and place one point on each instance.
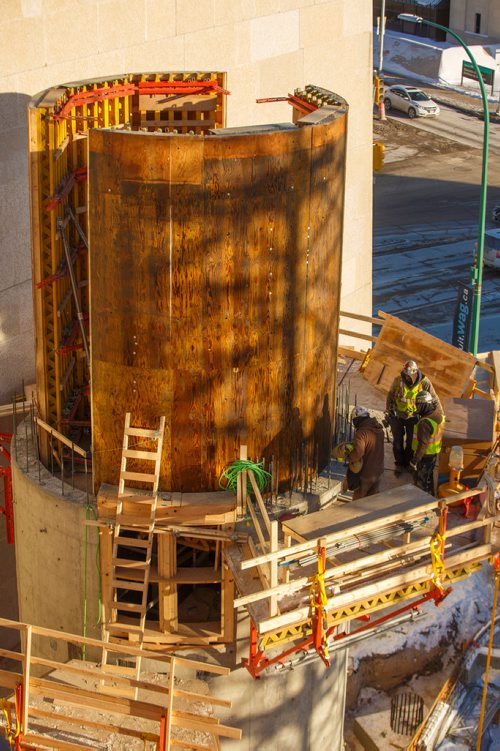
(448, 368)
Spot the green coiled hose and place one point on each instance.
(230, 475)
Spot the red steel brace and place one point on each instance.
(65, 186)
(7, 509)
(143, 87)
(257, 662)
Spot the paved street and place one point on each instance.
(466, 129)
(426, 206)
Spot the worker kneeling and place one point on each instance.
(426, 443)
(368, 448)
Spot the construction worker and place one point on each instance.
(426, 443)
(368, 448)
(401, 410)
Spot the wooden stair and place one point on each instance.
(133, 532)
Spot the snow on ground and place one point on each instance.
(438, 63)
(462, 613)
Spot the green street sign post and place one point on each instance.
(487, 74)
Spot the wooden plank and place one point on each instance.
(122, 648)
(167, 591)
(371, 521)
(135, 454)
(351, 354)
(260, 502)
(365, 563)
(358, 335)
(205, 575)
(60, 437)
(495, 356)
(43, 741)
(170, 704)
(26, 644)
(138, 476)
(359, 317)
(363, 594)
(85, 722)
(448, 367)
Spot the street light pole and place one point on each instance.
(477, 268)
(382, 32)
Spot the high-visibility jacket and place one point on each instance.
(405, 398)
(434, 445)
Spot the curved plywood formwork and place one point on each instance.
(214, 293)
(59, 121)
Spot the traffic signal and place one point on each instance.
(377, 83)
(378, 156)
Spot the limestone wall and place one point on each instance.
(267, 47)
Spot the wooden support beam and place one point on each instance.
(359, 317)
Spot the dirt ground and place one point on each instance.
(398, 134)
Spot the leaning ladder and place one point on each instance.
(134, 528)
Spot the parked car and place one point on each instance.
(492, 248)
(414, 102)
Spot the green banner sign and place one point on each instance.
(487, 74)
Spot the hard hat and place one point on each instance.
(424, 398)
(410, 368)
(359, 411)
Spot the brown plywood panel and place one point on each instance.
(215, 295)
(448, 368)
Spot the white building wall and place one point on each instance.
(463, 20)
(267, 47)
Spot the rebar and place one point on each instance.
(362, 540)
(407, 713)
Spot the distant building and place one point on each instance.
(477, 21)
(437, 11)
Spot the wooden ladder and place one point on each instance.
(134, 528)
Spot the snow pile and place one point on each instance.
(462, 613)
(432, 62)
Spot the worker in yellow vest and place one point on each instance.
(426, 443)
(401, 410)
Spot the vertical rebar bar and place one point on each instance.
(26, 444)
(14, 424)
(72, 465)
(86, 479)
(62, 469)
(277, 478)
(37, 447)
(306, 468)
(51, 454)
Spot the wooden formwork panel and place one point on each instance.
(214, 286)
(59, 121)
(448, 368)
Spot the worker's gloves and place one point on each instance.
(413, 468)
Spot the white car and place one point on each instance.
(414, 102)
(492, 248)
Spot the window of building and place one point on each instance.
(477, 24)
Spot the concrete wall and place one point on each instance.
(55, 568)
(463, 20)
(267, 47)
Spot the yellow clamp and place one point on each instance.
(10, 735)
(437, 545)
(320, 603)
